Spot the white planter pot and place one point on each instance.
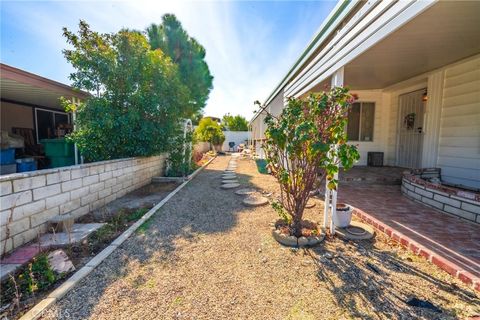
(342, 218)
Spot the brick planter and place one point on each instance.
(457, 202)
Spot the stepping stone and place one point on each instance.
(79, 232)
(255, 200)
(22, 255)
(230, 185)
(310, 204)
(225, 181)
(60, 262)
(229, 176)
(6, 269)
(245, 191)
(356, 231)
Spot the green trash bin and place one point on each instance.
(60, 152)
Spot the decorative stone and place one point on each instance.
(255, 200)
(356, 231)
(292, 241)
(245, 191)
(302, 241)
(230, 185)
(59, 262)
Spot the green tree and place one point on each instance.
(298, 149)
(188, 54)
(210, 131)
(139, 97)
(235, 123)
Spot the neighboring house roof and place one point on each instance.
(329, 25)
(18, 85)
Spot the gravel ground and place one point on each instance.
(206, 256)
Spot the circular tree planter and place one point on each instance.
(245, 191)
(343, 215)
(281, 234)
(230, 185)
(310, 204)
(255, 200)
(356, 231)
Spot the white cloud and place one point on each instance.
(239, 53)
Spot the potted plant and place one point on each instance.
(343, 215)
(299, 153)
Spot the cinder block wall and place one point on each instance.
(29, 200)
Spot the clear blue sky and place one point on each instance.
(250, 45)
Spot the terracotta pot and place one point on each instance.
(343, 215)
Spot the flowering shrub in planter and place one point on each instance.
(299, 149)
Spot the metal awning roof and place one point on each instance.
(20, 86)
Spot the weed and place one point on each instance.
(137, 214)
(143, 228)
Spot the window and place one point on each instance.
(48, 121)
(360, 121)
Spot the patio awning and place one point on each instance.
(445, 32)
(24, 87)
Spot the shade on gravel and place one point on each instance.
(204, 255)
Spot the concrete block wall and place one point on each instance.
(467, 209)
(29, 200)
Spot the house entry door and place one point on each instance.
(410, 129)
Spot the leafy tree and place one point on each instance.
(235, 123)
(210, 131)
(188, 54)
(139, 96)
(298, 149)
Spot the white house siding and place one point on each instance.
(381, 124)
(459, 144)
(276, 105)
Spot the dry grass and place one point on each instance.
(206, 256)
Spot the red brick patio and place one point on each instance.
(450, 243)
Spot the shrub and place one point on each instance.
(139, 97)
(298, 148)
(210, 131)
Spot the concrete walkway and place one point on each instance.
(450, 243)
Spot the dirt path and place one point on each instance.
(206, 256)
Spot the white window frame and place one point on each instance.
(360, 121)
(52, 111)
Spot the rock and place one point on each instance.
(302, 241)
(264, 260)
(59, 262)
(328, 255)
